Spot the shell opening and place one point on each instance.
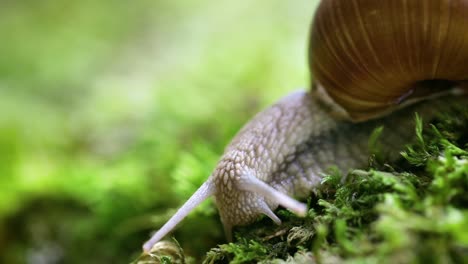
(428, 88)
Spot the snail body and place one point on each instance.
(284, 150)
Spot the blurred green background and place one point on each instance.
(113, 112)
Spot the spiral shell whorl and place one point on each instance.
(371, 55)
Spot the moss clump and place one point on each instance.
(414, 210)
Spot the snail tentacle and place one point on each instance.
(254, 185)
(204, 192)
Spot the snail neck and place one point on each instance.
(321, 98)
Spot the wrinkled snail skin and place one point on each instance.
(372, 63)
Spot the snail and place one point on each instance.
(368, 60)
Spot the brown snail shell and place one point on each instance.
(371, 55)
